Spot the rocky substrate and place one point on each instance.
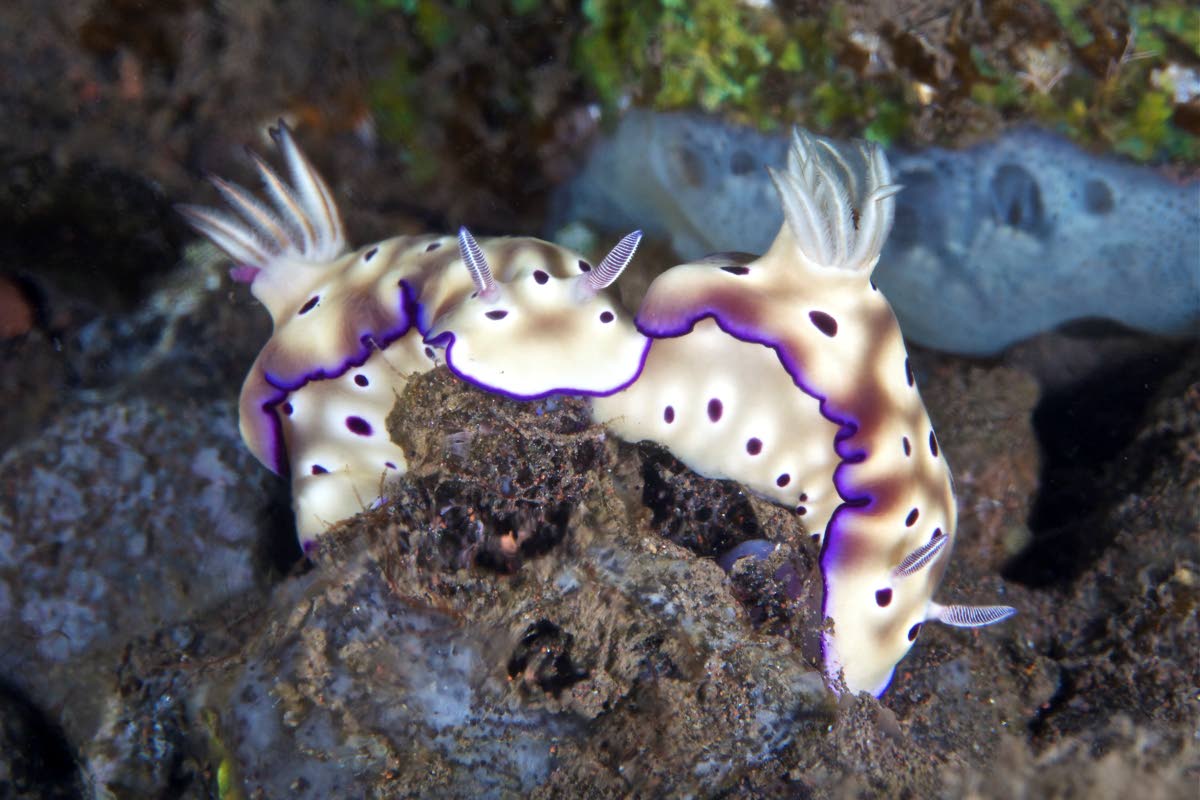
(539, 609)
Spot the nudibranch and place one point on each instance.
(785, 372)
(538, 333)
(352, 327)
(789, 374)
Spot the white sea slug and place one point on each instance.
(789, 374)
(538, 333)
(350, 330)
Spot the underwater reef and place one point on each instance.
(540, 608)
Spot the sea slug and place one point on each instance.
(789, 374)
(350, 330)
(786, 372)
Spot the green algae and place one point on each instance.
(705, 53)
(227, 780)
(843, 71)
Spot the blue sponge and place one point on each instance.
(991, 245)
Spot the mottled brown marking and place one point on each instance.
(435, 263)
(853, 548)
(734, 302)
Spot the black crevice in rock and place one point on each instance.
(1086, 430)
(706, 516)
(39, 759)
(543, 657)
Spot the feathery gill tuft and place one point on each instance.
(274, 244)
(839, 212)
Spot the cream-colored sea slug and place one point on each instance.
(351, 328)
(789, 374)
(786, 372)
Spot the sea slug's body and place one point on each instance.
(351, 329)
(811, 401)
(785, 372)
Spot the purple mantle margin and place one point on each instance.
(853, 501)
(369, 342)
